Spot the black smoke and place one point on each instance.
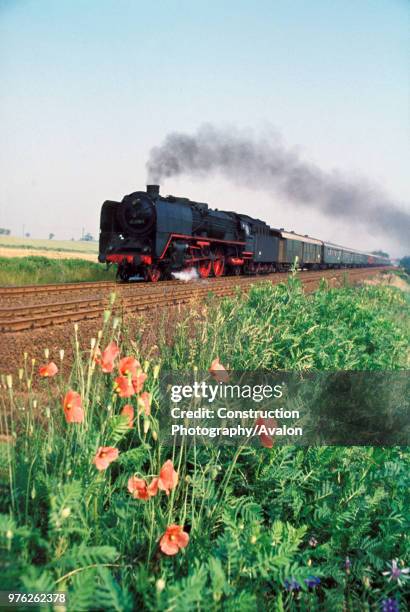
(266, 164)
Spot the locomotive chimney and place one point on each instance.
(153, 190)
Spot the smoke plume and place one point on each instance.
(265, 164)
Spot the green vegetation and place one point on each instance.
(276, 528)
(50, 245)
(405, 263)
(281, 328)
(42, 270)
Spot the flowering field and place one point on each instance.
(93, 505)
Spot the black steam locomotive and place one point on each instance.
(153, 236)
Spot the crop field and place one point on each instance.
(81, 246)
(11, 247)
(95, 506)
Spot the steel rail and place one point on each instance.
(19, 318)
(82, 286)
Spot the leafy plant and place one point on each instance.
(284, 528)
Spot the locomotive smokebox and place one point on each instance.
(153, 190)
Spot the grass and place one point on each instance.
(82, 246)
(277, 529)
(283, 329)
(35, 270)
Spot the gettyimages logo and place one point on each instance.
(309, 408)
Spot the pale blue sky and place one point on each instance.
(88, 87)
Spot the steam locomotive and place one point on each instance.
(153, 236)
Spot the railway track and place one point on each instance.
(135, 298)
(55, 288)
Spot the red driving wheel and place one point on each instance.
(204, 268)
(153, 274)
(218, 264)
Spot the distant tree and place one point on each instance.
(27, 234)
(380, 253)
(4, 231)
(88, 237)
(405, 263)
(51, 236)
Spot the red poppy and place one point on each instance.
(108, 356)
(124, 386)
(167, 479)
(129, 365)
(105, 455)
(138, 381)
(72, 406)
(218, 371)
(266, 440)
(48, 370)
(138, 488)
(173, 540)
(128, 411)
(144, 403)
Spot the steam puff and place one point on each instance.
(266, 165)
(186, 275)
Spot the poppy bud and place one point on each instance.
(160, 585)
(9, 381)
(46, 353)
(21, 372)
